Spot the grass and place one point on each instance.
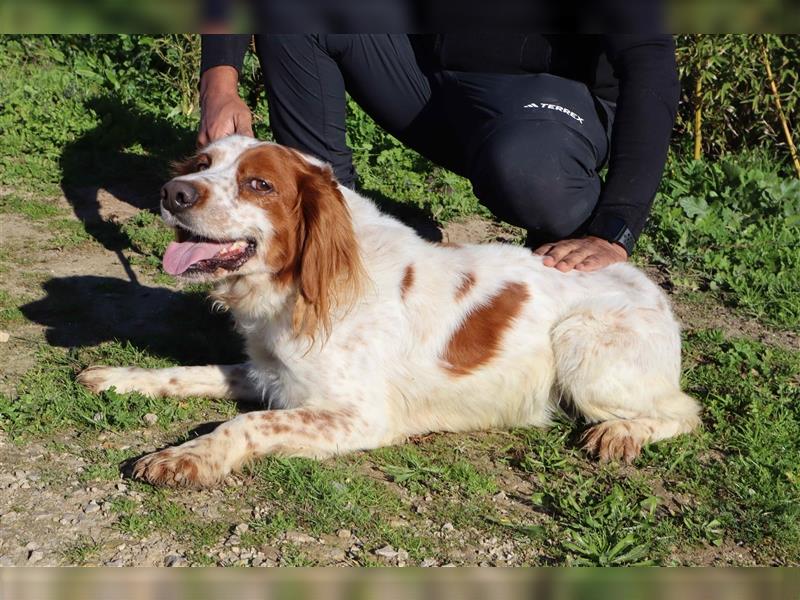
(68, 404)
(161, 512)
(9, 309)
(82, 552)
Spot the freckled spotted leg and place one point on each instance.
(204, 461)
(211, 381)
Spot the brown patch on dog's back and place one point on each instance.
(408, 281)
(466, 284)
(478, 338)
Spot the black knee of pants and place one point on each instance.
(537, 174)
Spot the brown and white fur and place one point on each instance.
(360, 333)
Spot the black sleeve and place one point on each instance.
(646, 107)
(223, 49)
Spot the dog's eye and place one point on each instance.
(260, 185)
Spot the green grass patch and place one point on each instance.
(322, 497)
(49, 399)
(419, 471)
(9, 309)
(743, 469)
(82, 552)
(161, 511)
(30, 207)
(732, 227)
(148, 234)
(104, 464)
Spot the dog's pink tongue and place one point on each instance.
(182, 255)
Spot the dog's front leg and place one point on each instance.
(309, 432)
(211, 381)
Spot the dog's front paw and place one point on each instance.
(98, 378)
(181, 466)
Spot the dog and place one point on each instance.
(361, 334)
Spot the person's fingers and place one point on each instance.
(542, 249)
(561, 249)
(592, 263)
(575, 257)
(202, 138)
(243, 124)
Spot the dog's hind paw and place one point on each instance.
(614, 440)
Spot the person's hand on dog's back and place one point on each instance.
(223, 111)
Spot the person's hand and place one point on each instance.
(584, 254)
(223, 111)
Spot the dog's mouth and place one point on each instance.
(194, 254)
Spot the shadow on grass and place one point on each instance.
(127, 156)
(87, 310)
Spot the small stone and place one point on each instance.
(386, 552)
(270, 553)
(173, 560)
(428, 562)
(19, 474)
(35, 556)
(447, 527)
(335, 554)
(241, 528)
(91, 507)
(4, 337)
(32, 546)
(344, 534)
(298, 537)
(499, 496)
(122, 487)
(150, 419)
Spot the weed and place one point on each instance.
(82, 552)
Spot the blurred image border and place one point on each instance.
(370, 16)
(406, 584)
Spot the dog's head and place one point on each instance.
(244, 208)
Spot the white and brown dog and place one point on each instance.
(363, 334)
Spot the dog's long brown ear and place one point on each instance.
(331, 272)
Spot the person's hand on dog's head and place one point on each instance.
(223, 112)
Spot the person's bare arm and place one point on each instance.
(223, 112)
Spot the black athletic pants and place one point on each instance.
(531, 144)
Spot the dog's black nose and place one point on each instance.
(178, 195)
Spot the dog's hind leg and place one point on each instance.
(620, 367)
(211, 381)
(308, 432)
